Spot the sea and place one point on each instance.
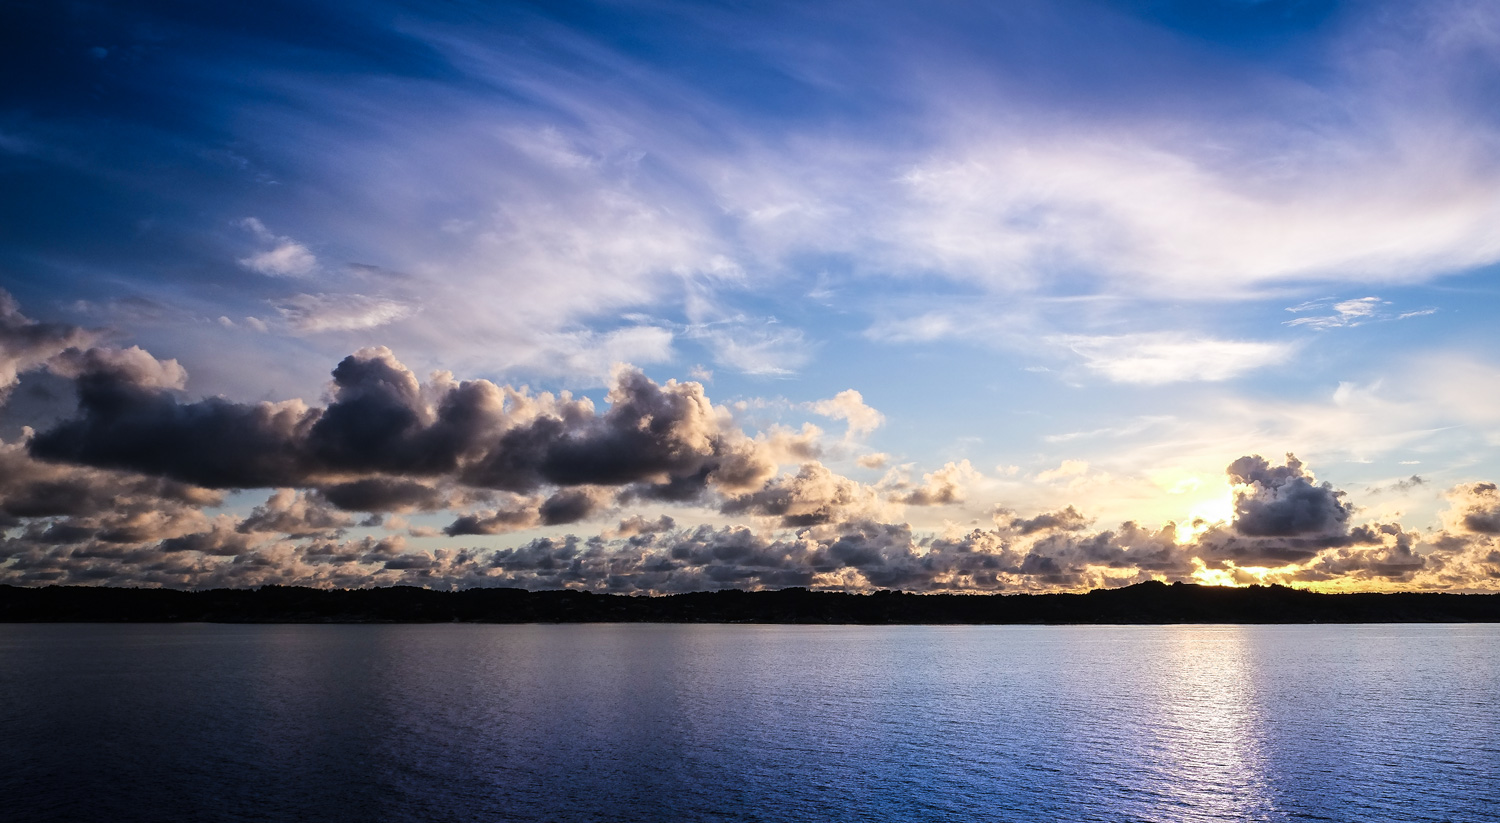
(651, 722)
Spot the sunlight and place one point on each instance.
(1204, 515)
(1213, 577)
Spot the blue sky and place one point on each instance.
(1066, 254)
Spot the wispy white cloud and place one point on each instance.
(314, 313)
(1345, 313)
(1168, 357)
(284, 256)
(765, 349)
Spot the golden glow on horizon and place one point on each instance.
(1241, 576)
(1214, 577)
(1204, 515)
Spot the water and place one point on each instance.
(754, 723)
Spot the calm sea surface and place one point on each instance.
(672, 722)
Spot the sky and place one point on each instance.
(648, 297)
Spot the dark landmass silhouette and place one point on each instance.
(1142, 603)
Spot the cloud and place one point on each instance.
(284, 256)
(1396, 561)
(314, 313)
(1476, 508)
(842, 549)
(1066, 470)
(850, 405)
(1068, 519)
(572, 505)
(295, 515)
(591, 354)
(662, 441)
(26, 344)
(30, 489)
(133, 365)
(944, 487)
(386, 494)
(638, 525)
(813, 496)
(1152, 214)
(518, 517)
(1284, 501)
(1157, 358)
(1347, 313)
(121, 492)
(766, 349)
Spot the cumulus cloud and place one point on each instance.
(295, 515)
(386, 494)
(639, 525)
(940, 488)
(1068, 519)
(1284, 501)
(134, 365)
(1066, 470)
(523, 515)
(34, 489)
(841, 549)
(849, 405)
(1391, 558)
(813, 496)
(26, 344)
(120, 492)
(1476, 508)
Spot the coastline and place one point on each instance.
(1150, 603)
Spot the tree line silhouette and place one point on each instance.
(1146, 603)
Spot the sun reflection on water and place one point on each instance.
(1208, 750)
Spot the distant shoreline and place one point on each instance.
(1144, 603)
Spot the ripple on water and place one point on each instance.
(749, 723)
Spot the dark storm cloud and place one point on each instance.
(213, 442)
(384, 494)
(497, 521)
(112, 504)
(1225, 545)
(377, 421)
(1281, 517)
(569, 506)
(383, 421)
(562, 507)
(1283, 501)
(213, 543)
(652, 434)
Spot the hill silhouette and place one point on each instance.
(1145, 603)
